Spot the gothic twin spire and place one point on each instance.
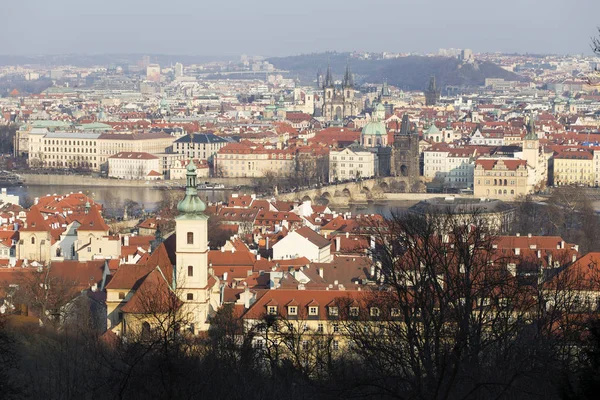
(348, 81)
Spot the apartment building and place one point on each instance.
(89, 149)
(253, 161)
(502, 178)
(574, 166)
(200, 146)
(352, 162)
(134, 166)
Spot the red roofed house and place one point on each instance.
(93, 241)
(303, 242)
(501, 178)
(35, 239)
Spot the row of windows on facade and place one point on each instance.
(333, 311)
(335, 345)
(70, 150)
(189, 296)
(70, 164)
(70, 143)
(497, 182)
(342, 158)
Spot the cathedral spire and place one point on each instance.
(348, 79)
(328, 77)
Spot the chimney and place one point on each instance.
(225, 276)
(562, 244)
(529, 235)
(574, 257)
(36, 200)
(372, 271)
(347, 234)
(539, 254)
(232, 250)
(126, 240)
(321, 272)
(267, 243)
(338, 244)
(246, 297)
(258, 257)
(518, 251)
(223, 249)
(550, 259)
(518, 234)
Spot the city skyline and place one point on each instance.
(271, 29)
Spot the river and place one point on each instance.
(150, 198)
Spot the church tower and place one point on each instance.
(191, 228)
(531, 145)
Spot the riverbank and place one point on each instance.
(90, 181)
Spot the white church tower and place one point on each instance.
(200, 297)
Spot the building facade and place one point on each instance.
(133, 166)
(351, 163)
(502, 178)
(339, 102)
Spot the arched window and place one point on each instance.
(512, 192)
(505, 182)
(33, 240)
(145, 330)
(504, 191)
(190, 238)
(190, 270)
(495, 181)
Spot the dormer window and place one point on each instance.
(354, 311)
(272, 310)
(293, 310)
(374, 312)
(333, 311)
(313, 310)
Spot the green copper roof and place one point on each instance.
(376, 128)
(432, 130)
(191, 207)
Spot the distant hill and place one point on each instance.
(408, 73)
(90, 60)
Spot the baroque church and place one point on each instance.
(339, 102)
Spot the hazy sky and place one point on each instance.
(283, 27)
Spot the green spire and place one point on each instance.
(191, 206)
(531, 135)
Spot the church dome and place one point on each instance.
(374, 128)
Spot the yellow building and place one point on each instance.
(502, 178)
(242, 160)
(574, 166)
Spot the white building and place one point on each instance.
(352, 162)
(303, 242)
(178, 169)
(487, 139)
(201, 146)
(132, 165)
(6, 198)
(451, 165)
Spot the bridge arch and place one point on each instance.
(306, 198)
(346, 192)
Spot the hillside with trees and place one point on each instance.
(408, 73)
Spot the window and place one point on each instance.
(336, 345)
(395, 312)
(190, 270)
(32, 240)
(374, 312)
(89, 249)
(190, 238)
(121, 295)
(313, 310)
(272, 310)
(305, 345)
(333, 311)
(336, 328)
(354, 311)
(320, 327)
(190, 296)
(293, 310)
(258, 344)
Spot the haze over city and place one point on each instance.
(273, 28)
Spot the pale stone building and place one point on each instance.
(133, 166)
(253, 161)
(502, 178)
(352, 162)
(201, 146)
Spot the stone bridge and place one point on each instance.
(362, 192)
